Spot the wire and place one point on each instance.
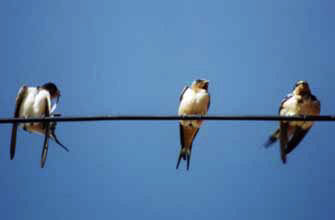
(169, 118)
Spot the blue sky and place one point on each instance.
(134, 57)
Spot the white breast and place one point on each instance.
(292, 107)
(194, 103)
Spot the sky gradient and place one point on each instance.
(134, 57)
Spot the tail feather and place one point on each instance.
(188, 157)
(272, 139)
(54, 137)
(283, 140)
(184, 154)
(45, 146)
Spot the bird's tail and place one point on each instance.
(184, 154)
(272, 139)
(53, 134)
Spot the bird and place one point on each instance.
(194, 100)
(299, 102)
(36, 102)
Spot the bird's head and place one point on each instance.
(200, 84)
(301, 88)
(52, 89)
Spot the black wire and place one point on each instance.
(169, 118)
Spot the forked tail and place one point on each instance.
(184, 154)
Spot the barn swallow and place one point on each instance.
(290, 133)
(194, 100)
(36, 102)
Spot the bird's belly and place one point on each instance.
(33, 127)
(302, 124)
(194, 106)
(309, 108)
(305, 108)
(191, 123)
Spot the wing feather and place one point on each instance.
(283, 140)
(19, 99)
(297, 137)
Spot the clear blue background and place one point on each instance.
(134, 57)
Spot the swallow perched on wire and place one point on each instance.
(290, 133)
(194, 100)
(36, 102)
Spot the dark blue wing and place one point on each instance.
(19, 99)
(297, 137)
